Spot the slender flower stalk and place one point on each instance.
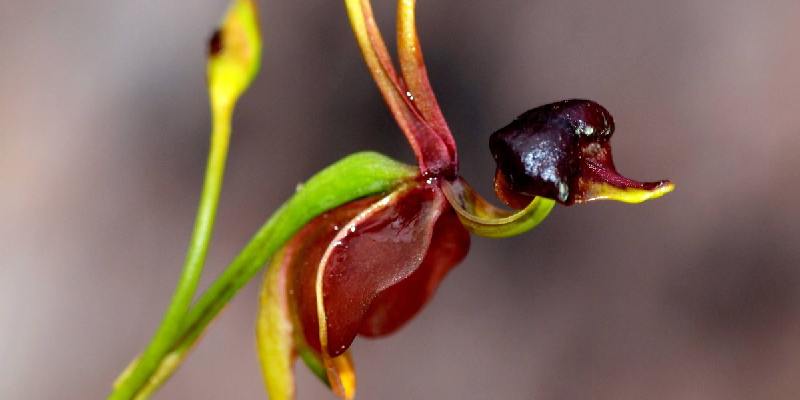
(234, 60)
(170, 326)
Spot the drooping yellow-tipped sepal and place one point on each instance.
(234, 54)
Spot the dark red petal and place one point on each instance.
(381, 247)
(376, 263)
(305, 251)
(396, 305)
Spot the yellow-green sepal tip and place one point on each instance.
(484, 219)
(234, 55)
(630, 195)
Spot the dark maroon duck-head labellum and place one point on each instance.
(562, 151)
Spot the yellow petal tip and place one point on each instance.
(603, 191)
(341, 375)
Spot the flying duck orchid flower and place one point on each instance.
(362, 245)
(368, 266)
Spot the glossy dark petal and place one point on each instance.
(396, 305)
(303, 253)
(383, 246)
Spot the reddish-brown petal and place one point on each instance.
(305, 251)
(283, 331)
(396, 305)
(380, 248)
(376, 264)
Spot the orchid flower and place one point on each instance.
(362, 245)
(368, 266)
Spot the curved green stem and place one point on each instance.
(356, 176)
(184, 292)
(234, 58)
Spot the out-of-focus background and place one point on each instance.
(103, 133)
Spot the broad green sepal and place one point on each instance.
(357, 175)
(484, 219)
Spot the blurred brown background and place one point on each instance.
(103, 133)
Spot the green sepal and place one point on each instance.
(483, 219)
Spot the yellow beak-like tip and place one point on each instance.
(631, 195)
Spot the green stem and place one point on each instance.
(171, 324)
(356, 176)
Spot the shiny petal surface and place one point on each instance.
(367, 267)
(378, 249)
(309, 246)
(396, 305)
(279, 330)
